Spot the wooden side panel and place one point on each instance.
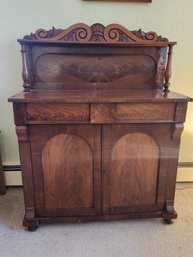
(67, 166)
(134, 170)
(180, 114)
(27, 175)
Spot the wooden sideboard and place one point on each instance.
(98, 130)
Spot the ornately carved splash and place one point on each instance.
(81, 32)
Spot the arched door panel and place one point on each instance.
(134, 170)
(67, 169)
(131, 166)
(67, 166)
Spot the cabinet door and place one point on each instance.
(135, 167)
(66, 162)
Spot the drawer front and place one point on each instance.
(107, 113)
(57, 112)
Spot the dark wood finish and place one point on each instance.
(66, 162)
(97, 33)
(134, 159)
(168, 72)
(96, 57)
(74, 187)
(131, 153)
(98, 131)
(57, 112)
(124, 113)
(96, 96)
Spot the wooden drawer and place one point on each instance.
(107, 113)
(58, 112)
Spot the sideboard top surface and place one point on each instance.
(95, 96)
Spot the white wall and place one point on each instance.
(170, 18)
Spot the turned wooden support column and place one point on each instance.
(25, 70)
(168, 72)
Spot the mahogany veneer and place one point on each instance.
(98, 129)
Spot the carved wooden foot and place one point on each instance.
(31, 228)
(29, 220)
(32, 225)
(168, 221)
(170, 213)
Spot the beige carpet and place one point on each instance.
(132, 238)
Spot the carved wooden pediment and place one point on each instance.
(82, 33)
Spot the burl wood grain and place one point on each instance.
(57, 112)
(134, 170)
(67, 163)
(62, 68)
(132, 112)
(64, 58)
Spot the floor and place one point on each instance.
(131, 238)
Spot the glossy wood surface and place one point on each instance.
(129, 152)
(97, 34)
(66, 167)
(134, 170)
(122, 113)
(97, 96)
(98, 131)
(112, 55)
(72, 72)
(57, 112)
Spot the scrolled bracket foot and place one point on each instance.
(31, 225)
(29, 220)
(169, 213)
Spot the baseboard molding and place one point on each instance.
(185, 172)
(11, 168)
(12, 178)
(12, 173)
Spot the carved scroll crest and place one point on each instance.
(82, 33)
(79, 32)
(118, 33)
